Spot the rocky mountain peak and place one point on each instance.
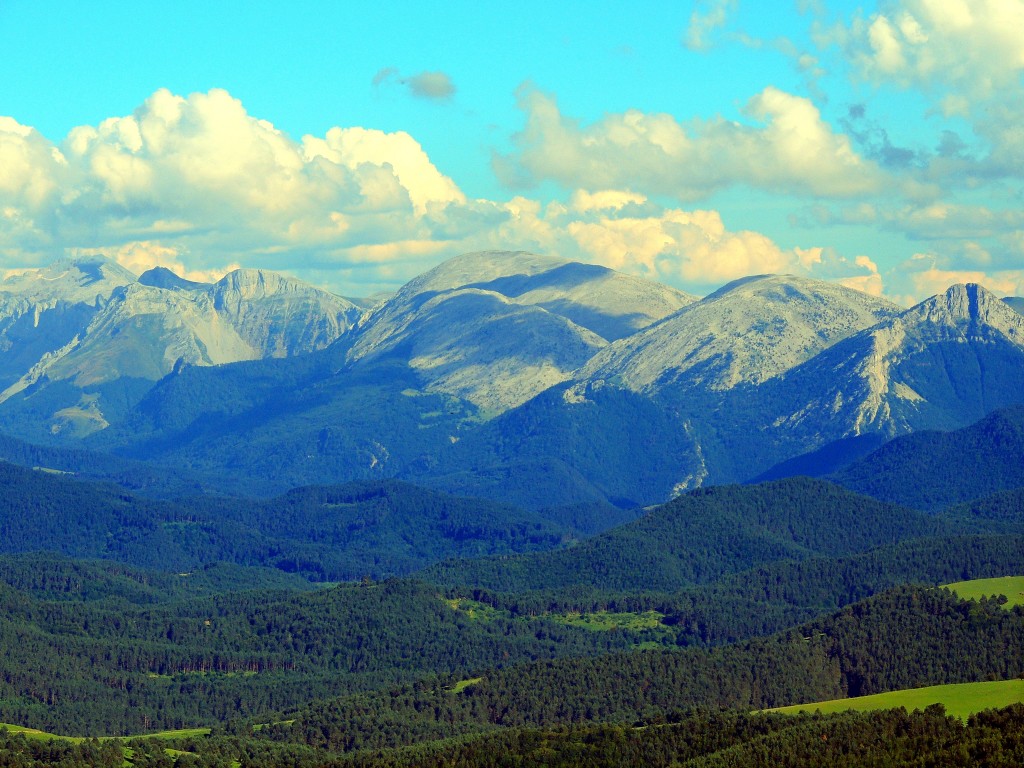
(73, 280)
(967, 309)
(963, 302)
(162, 277)
(746, 332)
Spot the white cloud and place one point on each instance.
(868, 283)
(199, 177)
(583, 201)
(976, 47)
(623, 230)
(198, 185)
(789, 149)
(357, 148)
(32, 167)
(689, 246)
(933, 280)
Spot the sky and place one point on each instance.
(880, 144)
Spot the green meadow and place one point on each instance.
(960, 700)
(1011, 586)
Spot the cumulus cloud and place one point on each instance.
(200, 176)
(932, 280)
(624, 230)
(871, 282)
(198, 185)
(974, 46)
(689, 246)
(434, 86)
(789, 148)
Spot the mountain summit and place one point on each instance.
(746, 332)
(941, 364)
(119, 334)
(498, 328)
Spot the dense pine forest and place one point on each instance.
(381, 624)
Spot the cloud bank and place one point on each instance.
(197, 184)
(787, 147)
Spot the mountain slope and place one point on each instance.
(42, 310)
(609, 303)
(746, 332)
(941, 364)
(279, 316)
(931, 470)
(708, 533)
(566, 447)
(149, 327)
(497, 328)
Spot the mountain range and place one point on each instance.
(525, 378)
(567, 503)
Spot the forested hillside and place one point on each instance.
(932, 470)
(708, 533)
(904, 638)
(373, 529)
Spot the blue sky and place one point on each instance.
(355, 146)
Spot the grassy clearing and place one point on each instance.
(462, 685)
(960, 700)
(33, 733)
(599, 621)
(602, 621)
(1011, 586)
(181, 733)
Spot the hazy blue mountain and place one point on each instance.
(942, 364)
(161, 277)
(1016, 303)
(506, 374)
(568, 447)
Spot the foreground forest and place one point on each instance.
(655, 642)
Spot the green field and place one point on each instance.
(960, 700)
(32, 733)
(1011, 586)
(462, 685)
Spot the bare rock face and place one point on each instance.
(42, 310)
(279, 316)
(122, 328)
(940, 364)
(747, 332)
(498, 328)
